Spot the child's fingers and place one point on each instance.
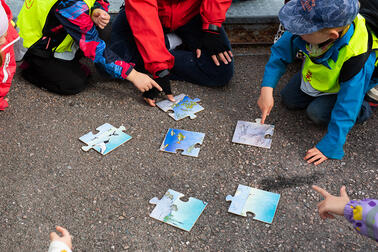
(150, 102)
(63, 231)
(323, 192)
(171, 98)
(263, 116)
(328, 215)
(321, 160)
(343, 192)
(198, 53)
(154, 83)
(313, 159)
(54, 236)
(215, 59)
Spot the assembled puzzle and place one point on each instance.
(183, 107)
(170, 209)
(182, 140)
(254, 134)
(261, 203)
(107, 139)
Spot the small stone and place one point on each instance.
(121, 218)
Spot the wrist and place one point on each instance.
(132, 75)
(267, 90)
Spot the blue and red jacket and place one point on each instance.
(73, 17)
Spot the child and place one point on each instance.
(60, 244)
(8, 36)
(363, 214)
(331, 89)
(55, 30)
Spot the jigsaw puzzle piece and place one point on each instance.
(186, 107)
(238, 201)
(171, 210)
(254, 134)
(107, 139)
(182, 140)
(261, 203)
(167, 105)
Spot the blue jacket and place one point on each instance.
(349, 98)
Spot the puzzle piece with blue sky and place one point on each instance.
(261, 203)
(107, 139)
(183, 107)
(171, 210)
(186, 141)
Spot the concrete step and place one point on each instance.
(241, 12)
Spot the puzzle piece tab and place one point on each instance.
(107, 139)
(182, 140)
(261, 203)
(254, 134)
(183, 107)
(171, 210)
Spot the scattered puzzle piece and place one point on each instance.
(254, 134)
(182, 140)
(107, 139)
(261, 203)
(183, 107)
(170, 209)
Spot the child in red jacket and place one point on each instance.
(8, 36)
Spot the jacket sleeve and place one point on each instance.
(214, 12)
(75, 18)
(363, 214)
(144, 21)
(282, 53)
(346, 111)
(58, 246)
(101, 4)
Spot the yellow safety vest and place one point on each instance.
(32, 19)
(326, 79)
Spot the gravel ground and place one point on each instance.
(46, 179)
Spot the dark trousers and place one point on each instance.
(187, 67)
(55, 75)
(318, 108)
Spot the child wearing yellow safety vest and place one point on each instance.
(331, 85)
(57, 32)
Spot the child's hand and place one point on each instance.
(331, 204)
(313, 155)
(100, 17)
(66, 237)
(265, 102)
(142, 81)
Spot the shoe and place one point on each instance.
(372, 96)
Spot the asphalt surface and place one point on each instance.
(47, 180)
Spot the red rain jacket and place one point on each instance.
(8, 68)
(148, 17)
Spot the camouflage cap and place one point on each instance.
(307, 16)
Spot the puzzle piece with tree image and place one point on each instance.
(107, 139)
(183, 107)
(186, 141)
(261, 203)
(171, 210)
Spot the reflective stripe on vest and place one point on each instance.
(325, 79)
(32, 19)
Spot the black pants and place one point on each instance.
(187, 66)
(56, 75)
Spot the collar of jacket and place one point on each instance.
(333, 51)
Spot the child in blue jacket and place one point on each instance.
(331, 85)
